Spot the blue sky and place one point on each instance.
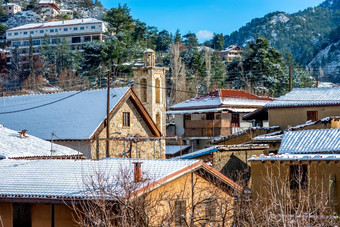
(205, 17)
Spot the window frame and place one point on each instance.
(126, 119)
(312, 115)
(298, 177)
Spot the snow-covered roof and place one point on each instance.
(223, 97)
(198, 153)
(311, 141)
(57, 23)
(308, 97)
(14, 146)
(10, 4)
(198, 111)
(69, 115)
(274, 136)
(66, 178)
(173, 149)
(296, 157)
(46, 2)
(231, 47)
(212, 149)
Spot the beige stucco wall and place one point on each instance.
(6, 214)
(298, 115)
(138, 128)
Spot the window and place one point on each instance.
(54, 41)
(22, 215)
(298, 177)
(75, 28)
(51, 30)
(126, 119)
(210, 116)
(143, 90)
(210, 209)
(158, 90)
(180, 212)
(15, 33)
(81, 28)
(65, 29)
(158, 121)
(26, 43)
(312, 115)
(235, 120)
(15, 44)
(93, 27)
(75, 39)
(25, 33)
(9, 34)
(36, 42)
(31, 32)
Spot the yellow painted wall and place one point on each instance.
(63, 216)
(41, 215)
(6, 214)
(320, 175)
(298, 115)
(182, 189)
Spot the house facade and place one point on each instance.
(177, 190)
(307, 161)
(12, 8)
(214, 115)
(231, 53)
(77, 119)
(302, 105)
(48, 9)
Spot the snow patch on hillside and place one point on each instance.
(279, 18)
(19, 19)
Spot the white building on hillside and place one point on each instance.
(11, 8)
(48, 8)
(76, 32)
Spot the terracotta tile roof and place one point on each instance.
(232, 93)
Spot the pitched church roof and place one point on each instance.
(73, 115)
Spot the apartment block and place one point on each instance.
(76, 32)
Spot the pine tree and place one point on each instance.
(218, 42)
(119, 19)
(177, 37)
(190, 40)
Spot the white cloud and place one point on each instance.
(204, 35)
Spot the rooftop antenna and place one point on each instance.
(52, 135)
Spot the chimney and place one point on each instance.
(137, 171)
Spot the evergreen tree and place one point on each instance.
(119, 19)
(163, 41)
(218, 42)
(190, 40)
(98, 3)
(177, 37)
(218, 70)
(30, 56)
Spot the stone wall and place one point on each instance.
(138, 128)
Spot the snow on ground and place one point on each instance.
(279, 18)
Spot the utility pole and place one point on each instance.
(108, 113)
(290, 77)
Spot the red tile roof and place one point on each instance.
(232, 93)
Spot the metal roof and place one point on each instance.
(311, 141)
(67, 178)
(308, 97)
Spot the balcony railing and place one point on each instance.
(212, 132)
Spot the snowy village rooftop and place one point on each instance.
(295, 157)
(223, 97)
(311, 141)
(16, 145)
(55, 179)
(68, 115)
(308, 97)
(57, 23)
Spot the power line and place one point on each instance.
(46, 104)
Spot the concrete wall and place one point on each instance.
(320, 177)
(298, 115)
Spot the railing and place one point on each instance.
(212, 132)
